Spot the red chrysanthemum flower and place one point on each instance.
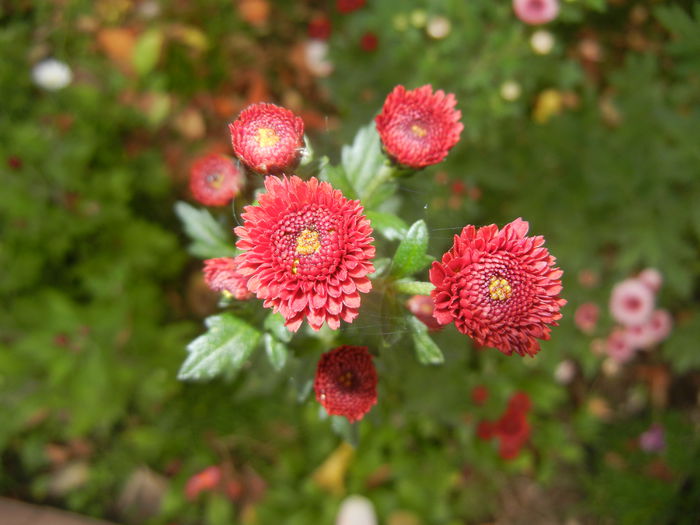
(307, 252)
(480, 394)
(221, 275)
(513, 431)
(268, 139)
(499, 287)
(319, 27)
(348, 6)
(369, 42)
(419, 127)
(346, 382)
(215, 180)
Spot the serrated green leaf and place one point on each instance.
(413, 287)
(208, 237)
(147, 51)
(388, 224)
(410, 255)
(427, 351)
(276, 351)
(225, 347)
(274, 323)
(363, 160)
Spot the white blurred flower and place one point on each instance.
(565, 372)
(316, 54)
(438, 27)
(356, 510)
(542, 42)
(510, 90)
(51, 74)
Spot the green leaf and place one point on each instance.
(363, 160)
(338, 179)
(147, 51)
(381, 265)
(346, 430)
(410, 255)
(413, 287)
(208, 237)
(427, 351)
(276, 351)
(388, 224)
(225, 347)
(274, 323)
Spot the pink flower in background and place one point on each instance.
(654, 439)
(536, 12)
(631, 302)
(652, 278)
(638, 336)
(204, 481)
(660, 325)
(618, 347)
(586, 317)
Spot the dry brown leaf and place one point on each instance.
(118, 44)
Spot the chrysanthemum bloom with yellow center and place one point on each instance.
(346, 382)
(215, 180)
(307, 252)
(418, 128)
(499, 287)
(269, 139)
(221, 275)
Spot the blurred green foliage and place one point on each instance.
(96, 308)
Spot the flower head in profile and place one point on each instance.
(418, 128)
(346, 382)
(500, 287)
(221, 275)
(631, 302)
(215, 180)
(269, 139)
(652, 278)
(536, 12)
(307, 252)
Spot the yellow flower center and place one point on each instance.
(307, 242)
(215, 180)
(346, 379)
(267, 137)
(500, 289)
(418, 131)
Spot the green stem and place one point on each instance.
(385, 173)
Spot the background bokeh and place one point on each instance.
(587, 127)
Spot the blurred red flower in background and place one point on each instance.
(346, 382)
(215, 180)
(221, 275)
